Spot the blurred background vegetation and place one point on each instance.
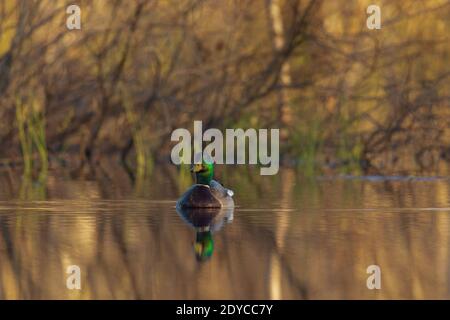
(346, 98)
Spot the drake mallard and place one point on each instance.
(206, 192)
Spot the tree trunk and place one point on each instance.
(284, 107)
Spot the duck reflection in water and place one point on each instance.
(205, 222)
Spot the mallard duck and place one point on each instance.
(206, 192)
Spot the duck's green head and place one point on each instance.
(204, 245)
(204, 172)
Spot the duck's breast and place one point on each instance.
(198, 196)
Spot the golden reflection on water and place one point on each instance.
(289, 238)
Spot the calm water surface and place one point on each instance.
(290, 237)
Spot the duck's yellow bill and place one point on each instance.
(196, 167)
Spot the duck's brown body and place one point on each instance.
(206, 196)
